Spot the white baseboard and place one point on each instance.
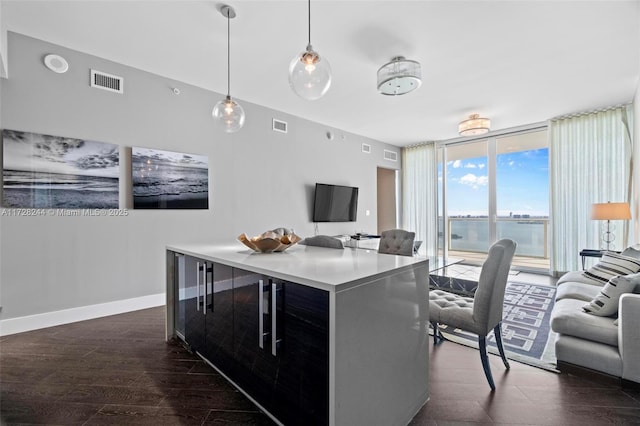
(66, 316)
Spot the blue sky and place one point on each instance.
(522, 180)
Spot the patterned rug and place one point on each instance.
(526, 333)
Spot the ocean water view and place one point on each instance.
(22, 189)
(472, 234)
(170, 187)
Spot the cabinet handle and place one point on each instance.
(274, 320)
(213, 294)
(260, 315)
(197, 286)
(204, 288)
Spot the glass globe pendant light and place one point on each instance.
(228, 114)
(309, 74)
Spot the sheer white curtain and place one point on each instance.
(420, 195)
(590, 156)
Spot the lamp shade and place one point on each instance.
(474, 125)
(610, 211)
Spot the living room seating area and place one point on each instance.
(596, 317)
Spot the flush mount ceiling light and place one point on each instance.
(227, 113)
(309, 74)
(399, 76)
(474, 125)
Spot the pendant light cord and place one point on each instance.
(228, 54)
(309, 20)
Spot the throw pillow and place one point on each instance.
(631, 252)
(606, 302)
(612, 264)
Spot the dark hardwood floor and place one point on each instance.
(119, 370)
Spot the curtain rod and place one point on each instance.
(589, 112)
(497, 133)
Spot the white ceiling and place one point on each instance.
(517, 62)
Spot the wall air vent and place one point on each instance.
(104, 81)
(366, 148)
(390, 155)
(279, 126)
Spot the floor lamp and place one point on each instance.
(610, 211)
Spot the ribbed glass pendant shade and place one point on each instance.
(228, 115)
(310, 75)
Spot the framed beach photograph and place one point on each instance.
(169, 180)
(45, 171)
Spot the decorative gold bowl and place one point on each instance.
(269, 241)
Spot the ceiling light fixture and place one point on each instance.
(399, 76)
(228, 113)
(474, 125)
(309, 74)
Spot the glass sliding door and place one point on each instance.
(495, 188)
(464, 220)
(522, 195)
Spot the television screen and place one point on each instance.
(335, 203)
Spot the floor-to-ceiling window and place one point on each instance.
(493, 188)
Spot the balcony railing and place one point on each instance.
(472, 235)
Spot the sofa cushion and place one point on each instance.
(612, 264)
(568, 318)
(578, 277)
(606, 302)
(577, 290)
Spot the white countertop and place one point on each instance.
(319, 267)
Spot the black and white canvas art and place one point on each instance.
(44, 171)
(169, 180)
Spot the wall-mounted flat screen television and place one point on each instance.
(335, 203)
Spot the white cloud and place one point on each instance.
(473, 181)
(470, 166)
(481, 165)
(457, 164)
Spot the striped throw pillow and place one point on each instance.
(606, 302)
(610, 265)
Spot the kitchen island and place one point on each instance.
(312, 335)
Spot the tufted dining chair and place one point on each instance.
(396, 241)
(483, 312)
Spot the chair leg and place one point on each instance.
(437, 335)
(482, 344)
(497, 331)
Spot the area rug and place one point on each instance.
(526, 333)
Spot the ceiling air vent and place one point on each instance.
(104, 81)
(366, 148)
(279, 126)
(390, 155)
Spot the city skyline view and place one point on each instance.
(522, 185)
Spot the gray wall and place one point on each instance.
(258, 179)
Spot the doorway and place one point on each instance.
(387, 199)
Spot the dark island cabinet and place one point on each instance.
(205, 303)
(269, 336)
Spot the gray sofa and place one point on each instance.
(596, 342)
